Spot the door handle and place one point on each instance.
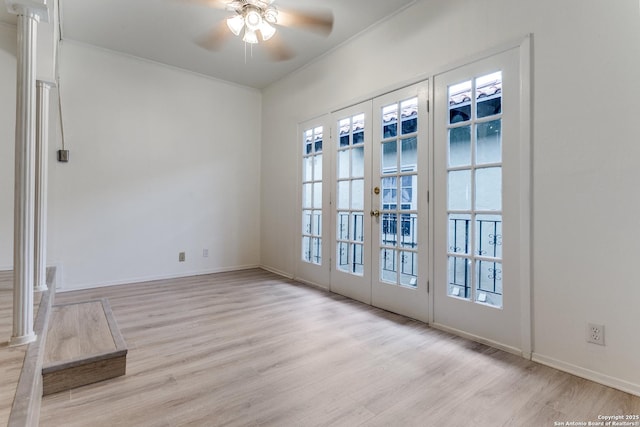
(375, 213)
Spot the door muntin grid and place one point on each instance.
(398, 170)
(350, 170)
(474, 190)
(312, 159)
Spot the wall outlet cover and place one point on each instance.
(595, 333)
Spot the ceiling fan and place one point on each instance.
(256, 21)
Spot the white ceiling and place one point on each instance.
(166, 31)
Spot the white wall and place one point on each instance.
(586, 99)
(162, 161)
(8, 44)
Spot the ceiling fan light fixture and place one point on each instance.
(267, 31)
(250, 36)
(253, 19)
(235, 24)
(270, 15)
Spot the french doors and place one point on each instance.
(410, 202)
(379, 220)
(477, 199)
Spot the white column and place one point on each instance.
(42, 152)
(24, 191)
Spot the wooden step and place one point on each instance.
(84, 346)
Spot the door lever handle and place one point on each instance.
(375, 213)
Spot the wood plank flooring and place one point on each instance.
(251, 348)
(11, 358)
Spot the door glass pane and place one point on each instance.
(389, 229)
(343, 226)
(460, 102)
(459, 282)
(409, 156)
(390, 157)
(460, 146)
(489, 189)
(357, 165)
(357, 225)
(343, 256)
(307, 219)
(316, 227)
(316, 250)
(357, 194)
(358, 129)
(389, 193)
(317, 195)
(307, 145)
(388, 263)
(459, 190)
(409, 230)
(409, 192)
(409, 269)
(489, 94)
(343, 164)
(390, 121)
(306, 248)
(489, 235)
(317, 167)
(358, 259)
(343, 194)
(409, 116)
(344, 132)
(318, 139)
(306, 195)
(489, 283)
(489, 142)
(307, 169)
(459, 233)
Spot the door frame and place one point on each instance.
(524, 47)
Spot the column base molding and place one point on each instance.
(22, 340)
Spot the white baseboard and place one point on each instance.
(276, 271)
(588, 374)
(479, 339)
(312, 284)
(153, 278)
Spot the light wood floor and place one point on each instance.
(11, 358)
(250, 348)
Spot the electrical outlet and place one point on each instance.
(595, 333)
(182, 257)
(205, 253)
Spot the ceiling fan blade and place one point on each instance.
(319, 21)
(216, 37)
(277, 49)
(215, 4)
